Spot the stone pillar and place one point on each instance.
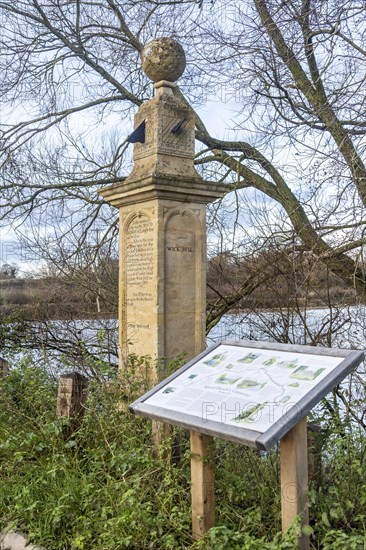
(162, 205)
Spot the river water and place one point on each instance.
(343, 327)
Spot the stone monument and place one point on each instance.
(162, 206)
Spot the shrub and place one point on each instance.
(101, 489)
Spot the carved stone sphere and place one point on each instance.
(163, 59)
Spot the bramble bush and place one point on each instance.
(100, 488)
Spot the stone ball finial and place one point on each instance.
(163, 59)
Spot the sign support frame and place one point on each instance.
(290, 430)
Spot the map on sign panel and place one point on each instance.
(248, 388)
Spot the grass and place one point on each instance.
(100, 488)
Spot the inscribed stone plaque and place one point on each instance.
(139, 276)
(253, 392)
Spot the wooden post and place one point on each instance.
(160, 433)
(294, 479)
(71, 397)
(314, 455)
(4, 368)
(203, 484)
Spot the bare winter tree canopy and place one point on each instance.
(291, 76)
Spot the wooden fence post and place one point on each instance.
(203, 484)
(71, 397)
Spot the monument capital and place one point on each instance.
(161, 187)
(167, 148)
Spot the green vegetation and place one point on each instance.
(54, 298)
(100, 489)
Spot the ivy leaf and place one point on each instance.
(325, 519)
(307, 530)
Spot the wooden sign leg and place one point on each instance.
(294, 479)
(160, 433)
(203, 484)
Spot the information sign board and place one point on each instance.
(251, 392)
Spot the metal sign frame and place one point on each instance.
(252, 438)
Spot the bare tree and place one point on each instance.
(293, 72)
(297, 85)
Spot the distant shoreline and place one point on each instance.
(25, 313)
